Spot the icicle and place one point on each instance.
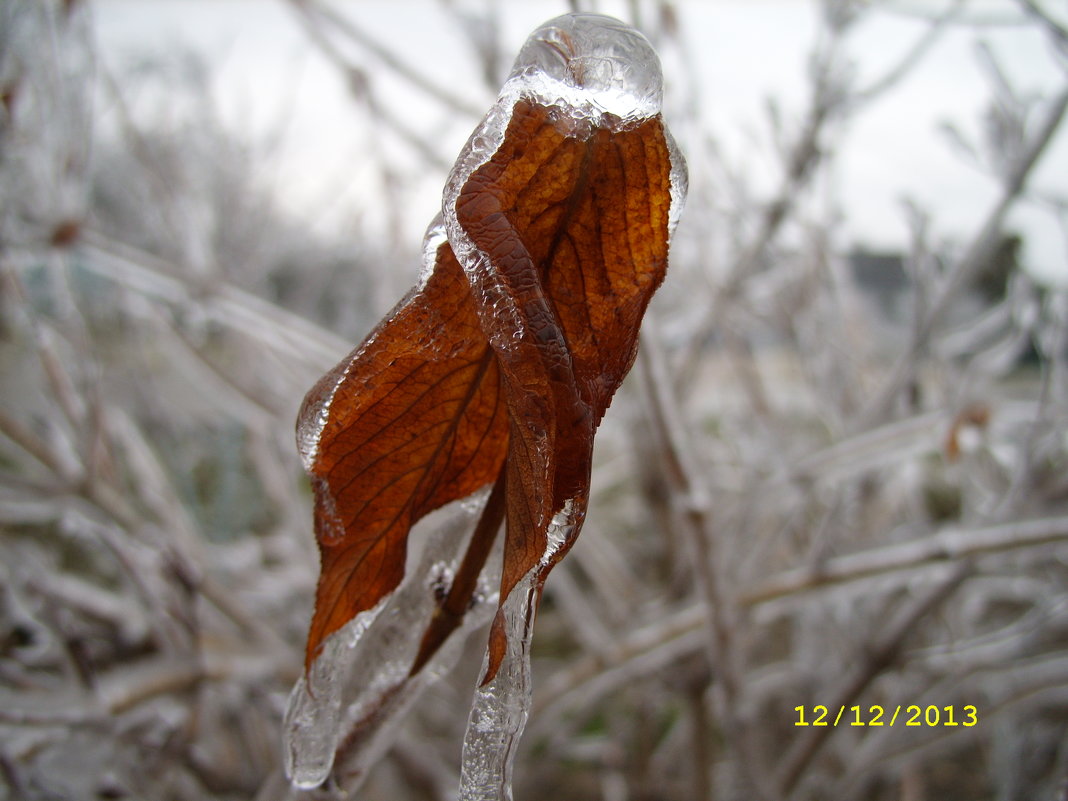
(310, 734)
(501, 706)
(310, 727)
(383, 699)
(593, 71)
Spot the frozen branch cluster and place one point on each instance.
(794, 503)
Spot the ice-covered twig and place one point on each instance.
(1056, 30)
(833, 100)
(720, 607)
(974, 258)
(359, 82)
(345, 26)
(295, 337)
(948, 545)
(648, 649)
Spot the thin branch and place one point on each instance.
(975, 258)
(911, 58)
(1056, 30)
(722, 616)
(38, 717)
(360, 88)
(945, 546)
(31, 444)
(298, 339)
(651, 648)
(399, 65)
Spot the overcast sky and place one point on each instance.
(741, 53)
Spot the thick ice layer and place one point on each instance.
(560, 532)
(310, 427)
(680, 182)
(433, 239)
(310, 727)
(594, 71)
(592, 64)
(359, 684)
(585, 65)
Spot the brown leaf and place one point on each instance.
(409, 421)
(520, 358)
(575, 223)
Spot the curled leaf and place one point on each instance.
(572, 220)
(500, 365)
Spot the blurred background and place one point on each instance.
(836, 475)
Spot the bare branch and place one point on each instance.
(397, 64)
(974, 258)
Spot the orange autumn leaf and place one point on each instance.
(406, 423)
(498, 369)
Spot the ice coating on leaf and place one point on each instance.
(313, 419)
(433, 239)
(310, 726)
(389, 692)
(561, 531)
(331, 529)
(593, 74)
(501, 706)
(680, 182)
(593, 70)
(310, 429)
(360, 683)
(310, 425)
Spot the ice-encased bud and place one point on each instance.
(591, 59)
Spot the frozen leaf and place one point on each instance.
(413, 419)
(562, 229)
(498, 367)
